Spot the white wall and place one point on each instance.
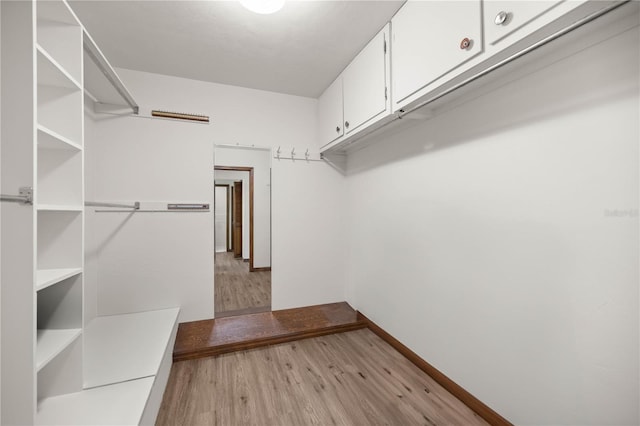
(260, 160)
(486, 240)
(221, 211)
(309, 234)
(148, 261)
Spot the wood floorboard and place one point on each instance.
(351, 378)
(467, 398)
(222, 335)
(238, 291)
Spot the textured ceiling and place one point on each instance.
(298, 50)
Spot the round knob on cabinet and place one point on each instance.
(501, 18)
(465, 43)
(337, 129)
(346, 124)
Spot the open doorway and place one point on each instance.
(236, 209)
(242, 205)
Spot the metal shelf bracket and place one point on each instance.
(25, 196)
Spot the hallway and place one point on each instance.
(238, 291)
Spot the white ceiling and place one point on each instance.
(298, 50)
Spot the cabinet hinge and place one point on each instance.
(385, 46)
(385, 94)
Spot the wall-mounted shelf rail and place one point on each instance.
(135, 205)
(187, 206)
(101, 82)
(25, 196)
(149, 207)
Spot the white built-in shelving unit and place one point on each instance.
(59, 367)
(59, 201)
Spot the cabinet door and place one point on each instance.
(330, 113)
(428, 42)
(365, 83)
(504, 18)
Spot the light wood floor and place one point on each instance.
(351, 378)
(238, 291)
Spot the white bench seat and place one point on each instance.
(127, 360)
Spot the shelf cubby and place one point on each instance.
(60, 34)
(51, 343)
(60, 111)
(59, 334)
(59, 177)
(51, 73)
(62, 374)
(48, 139)
(60, 305)
(59, 239)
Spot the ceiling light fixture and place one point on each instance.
(263, 7)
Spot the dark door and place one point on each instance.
(237, 219)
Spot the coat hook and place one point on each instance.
(306, 154)
(293, 153)
(278, 153)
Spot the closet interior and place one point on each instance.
(472, 169)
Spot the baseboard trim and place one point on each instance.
(456, 390)
(261, 269)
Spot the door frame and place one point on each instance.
(250, 170)
(237, 214)
(226, 186)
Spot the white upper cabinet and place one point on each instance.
(431, 39)
(365, 83)
(508, 19)
(433, 47)
(359, 96)
(330, 113)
